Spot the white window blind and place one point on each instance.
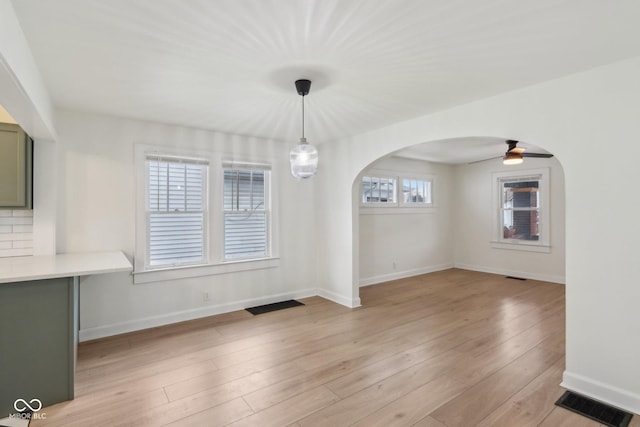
(176, 211)
(246, 213)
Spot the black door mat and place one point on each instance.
(273, 307)
(597, 411)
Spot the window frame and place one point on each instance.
(215, 261)
(420, 178)
(380, 176)
(543, 244)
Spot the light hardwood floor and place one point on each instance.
(452, 348)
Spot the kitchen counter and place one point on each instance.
(22, 269)
(39, 320)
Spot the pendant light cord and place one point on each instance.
(302, 116)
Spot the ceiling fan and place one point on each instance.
(515, 155)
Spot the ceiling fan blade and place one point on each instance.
(538, 155)
(517, 150)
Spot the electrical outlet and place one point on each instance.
(205, 296)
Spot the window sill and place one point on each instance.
(521, 246)
(176, 273)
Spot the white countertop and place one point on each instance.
(21, 269)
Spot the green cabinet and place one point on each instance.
(16, 168)
(38, 337)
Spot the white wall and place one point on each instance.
(97, 200)
(26, 99)
(458, 231)
(474, 216)
(403, 242)
(337, 253)
(590, 122)
(24, 94)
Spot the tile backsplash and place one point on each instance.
(16, 232)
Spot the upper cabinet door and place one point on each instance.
(15, 167)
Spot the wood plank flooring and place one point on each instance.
(452, 348)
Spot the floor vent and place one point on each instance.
(597, 411)
(516, 278)
(273, 307)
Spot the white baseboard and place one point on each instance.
(614, 396)
(513, 273)
(340, 299)
(181, 316)
(403, 274)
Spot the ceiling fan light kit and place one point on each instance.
(304, 156)
(512, 159)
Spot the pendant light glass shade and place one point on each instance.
(304, 156)
(304, 160)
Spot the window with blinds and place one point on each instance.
(246, 213)
(176, 211)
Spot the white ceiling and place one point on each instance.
(229, 65)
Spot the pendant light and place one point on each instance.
(304, 156)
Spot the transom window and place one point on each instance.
(416, 192)
(396, 191)
(378, 190)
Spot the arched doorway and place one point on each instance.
(393, 239)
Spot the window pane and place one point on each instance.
(175, 187)
(384, 189)
(521, 194)
(520, 225)
(176, 238)
(244, 190)
(245, 235)
(427, 192)
(366, 189)
(416, 191)
(375, 195)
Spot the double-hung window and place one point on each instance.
(520, 210)
(198, 214)
(176, 211)
(246, 209)
(522, 200)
